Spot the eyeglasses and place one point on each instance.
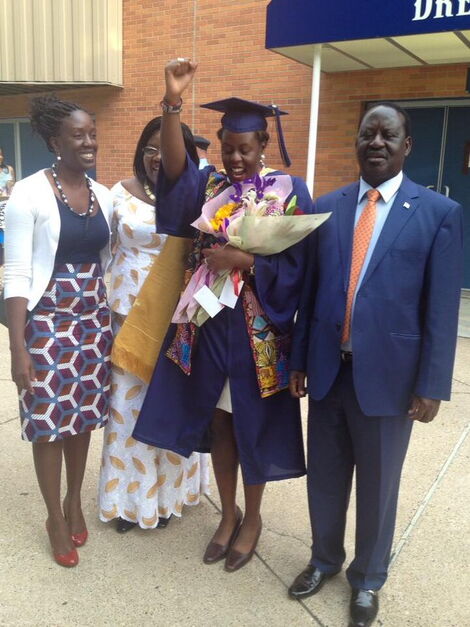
(151, 151)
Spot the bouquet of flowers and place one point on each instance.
(255, 217)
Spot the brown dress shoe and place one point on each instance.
(216, 552)
(236, 560)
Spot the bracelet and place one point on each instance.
(168, 108)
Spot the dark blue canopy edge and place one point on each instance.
(301, 22)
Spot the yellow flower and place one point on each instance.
(223, 212)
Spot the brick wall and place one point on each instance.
(227, 39)
(343, 96)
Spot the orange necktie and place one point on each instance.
(362, 235)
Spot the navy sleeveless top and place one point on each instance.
(81, 239)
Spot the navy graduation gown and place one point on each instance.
(178, 408)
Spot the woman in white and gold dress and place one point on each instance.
(139, 484)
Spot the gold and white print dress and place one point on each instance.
(139, 483)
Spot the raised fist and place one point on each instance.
(178, 74)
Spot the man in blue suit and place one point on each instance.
(393, 363)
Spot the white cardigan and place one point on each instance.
(32, 230)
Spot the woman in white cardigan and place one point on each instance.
(57, 249)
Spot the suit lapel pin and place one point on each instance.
(406, 205)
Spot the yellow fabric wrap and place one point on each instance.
(138, 342)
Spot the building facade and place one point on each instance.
(228, 40)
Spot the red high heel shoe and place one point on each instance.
(79, 539)
(69, 559)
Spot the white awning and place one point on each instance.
(387, 52)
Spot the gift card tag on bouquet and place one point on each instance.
(208, 301)
(229, 295)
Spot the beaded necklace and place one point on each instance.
(64, 198)
(149, 192)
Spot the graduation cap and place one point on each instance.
(201, 142)
(243, 116)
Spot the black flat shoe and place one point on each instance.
(123, 526)
(309, 582)
(215, 552)
(363, 607)
(236, 560)
(163, 522)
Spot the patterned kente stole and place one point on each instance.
(183, 343)
(269, 348)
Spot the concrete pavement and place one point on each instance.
(157, 577)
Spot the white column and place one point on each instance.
(312, 137)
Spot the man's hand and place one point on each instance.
(297, 384)
(423, 409)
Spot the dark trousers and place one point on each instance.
(340, 439)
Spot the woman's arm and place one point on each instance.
(22, 369)
(179, 203)
(114, 226)
(19, 226)
(178, 75)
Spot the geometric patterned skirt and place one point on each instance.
(69, 338)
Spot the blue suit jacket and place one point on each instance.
(405, 318)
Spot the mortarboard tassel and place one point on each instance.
(280, 137)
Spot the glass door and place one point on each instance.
(440, 158)
(422, 165)
(456, 172)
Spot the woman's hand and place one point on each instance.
(178, 75)
(226, 258)
(297, 384)
(22, 370)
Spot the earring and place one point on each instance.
(261, 160)
(58, 157)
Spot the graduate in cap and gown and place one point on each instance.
(222, 386)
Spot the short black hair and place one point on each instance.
(397, 108)
(153, 127)
(47, 114)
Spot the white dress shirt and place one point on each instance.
(388, 191)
